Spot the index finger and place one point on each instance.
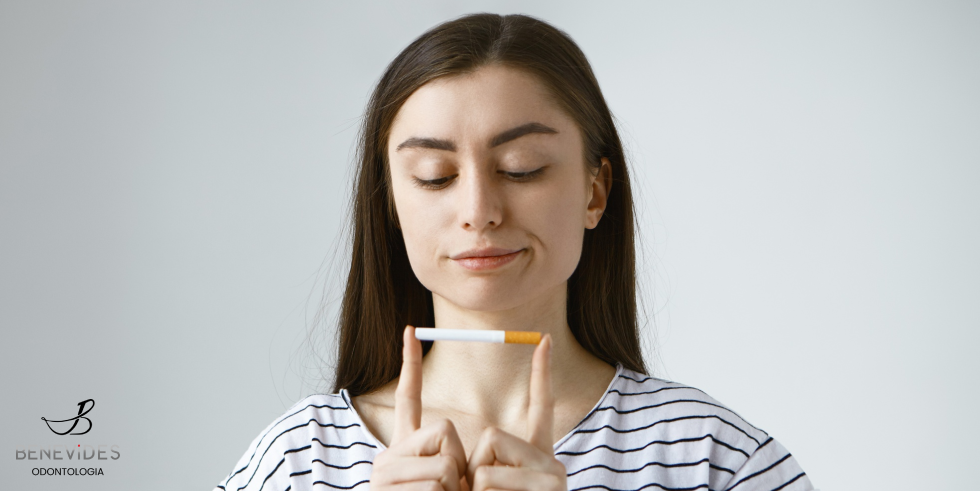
(541, 410)
(408, 395)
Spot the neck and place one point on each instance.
(491, 381)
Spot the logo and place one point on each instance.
(81, 415)
(77, 451)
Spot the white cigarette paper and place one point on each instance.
(481, 335)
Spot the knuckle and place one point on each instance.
(482, 473)
(491, 433)
(444, 426)
(447, 465)
(402, 391)
(494, 435)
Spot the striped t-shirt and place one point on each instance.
(644, 433)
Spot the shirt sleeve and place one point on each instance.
(263, 465)
(244, 464)
(770, 468)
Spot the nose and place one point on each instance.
(479, 200)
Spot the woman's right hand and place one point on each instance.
(429, 458)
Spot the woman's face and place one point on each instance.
(486, 164)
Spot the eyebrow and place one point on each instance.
(499, 139)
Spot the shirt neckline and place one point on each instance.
(381, 446)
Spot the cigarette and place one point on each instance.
(482, 335)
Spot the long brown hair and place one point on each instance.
(382, 293)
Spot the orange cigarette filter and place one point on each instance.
(522, 337)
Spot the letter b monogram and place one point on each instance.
(81, 415)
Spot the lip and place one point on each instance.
(485, 252)
(488, 258)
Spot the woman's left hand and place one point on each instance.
(505, 462)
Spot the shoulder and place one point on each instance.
(300, 422)
(648, 429)
(676, 403)
(289, 445)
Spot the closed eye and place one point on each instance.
(440, 183)
(430, 183)
(525, 176)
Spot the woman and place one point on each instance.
(493, 193)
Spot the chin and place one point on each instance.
(482, 301)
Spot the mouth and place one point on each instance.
(486, 261)
(485, 252)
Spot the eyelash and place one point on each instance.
(438, 183)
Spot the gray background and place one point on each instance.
(173, 178)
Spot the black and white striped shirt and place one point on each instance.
(645, 433)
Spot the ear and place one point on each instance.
(599, 189)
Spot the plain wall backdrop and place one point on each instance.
(174, 177)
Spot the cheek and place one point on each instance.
(420, 239)
(421, 223)
(559, 218)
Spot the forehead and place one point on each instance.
(477, 104)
